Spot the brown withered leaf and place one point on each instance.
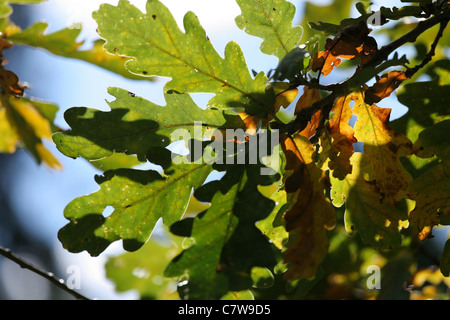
(350, 43)
(310, 214)
(10, 83)
(342, 114)
(309, 96)
(338, 142)
(384, 86)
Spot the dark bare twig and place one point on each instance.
(47, 275)
(410, 72)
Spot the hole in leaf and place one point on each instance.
(107, 211)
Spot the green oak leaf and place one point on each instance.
(139, 198)
(156, 46)
(428, 103)
(135, 125)
(434, 141)
(211, 230)
(225, 237)
(239, 295)
(431, 188)
(272, 21)
(377, 222)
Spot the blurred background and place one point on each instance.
(33, 197)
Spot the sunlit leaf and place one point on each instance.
(384, 146)
(271, 21)
(64, 43)
(139, 198)
(377, 222)
(338, 143)
(158, 47)
(430, 189)
(135, 125)
(27, 122)
(384, 86)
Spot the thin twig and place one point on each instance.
(47, 275)
(410, 72)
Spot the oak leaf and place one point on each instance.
(384, 86)
(309, 96)
(384, 146)
(310, 214)
(350, 42)
(430, 189)
(338, 142)
(377, 222)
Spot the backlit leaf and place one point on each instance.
(158, 47)
(377, 222)
(143, 270)
(6, 10)
(384, 146)
(384, 86)
(211, 231)
(64, 43)
(338, 142)
(310, 213)
(271, 21)
(427, 102)
(225, 237)
(135, 125)
(28, 122)
(430, 189)
(139, 198)
(309, 96)
(350, 43)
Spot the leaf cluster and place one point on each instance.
(265, 187)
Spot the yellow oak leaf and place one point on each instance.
(377, 222)
(28, 125)
(384, 146)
